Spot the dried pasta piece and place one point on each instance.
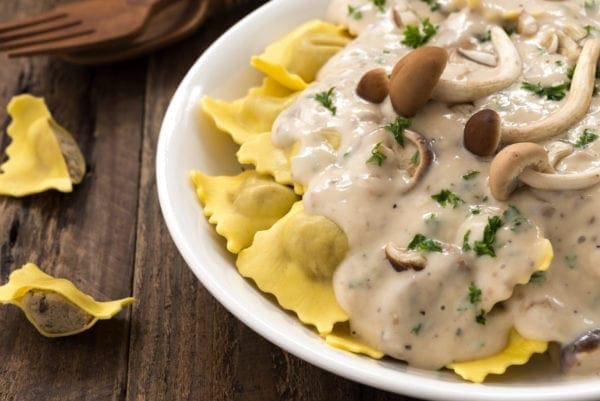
(341, 338)
(295, 59)
(242, 205)
(246, 117)
(268, 159)
(55, 306)
(517, 352)
(42, 154)
(295, 260)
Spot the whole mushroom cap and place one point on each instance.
(510, 162)
(482, 132)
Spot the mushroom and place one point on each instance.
(403, 259)
(425, 157)
(487, 82)
(574, 107)
(567, 46)
(482, 132)
(477, 56)
(557, 151)
(582, 356)
(526, 24)
(373, 86)
(404, 18)
(414, 78)
(528, 163)
(550, 42)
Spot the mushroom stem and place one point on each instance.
(574, 107)
(558, 181)
(505, 74)
(425, 157)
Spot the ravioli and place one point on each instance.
(55, 306)
(295, 59)
(517, 352)
(240, 206)
(342, 338)
(251, 115)
(295, 260)
(42, 154)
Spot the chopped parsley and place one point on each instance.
(556, 92)
(397, 129)
(513, 216)
(379, 4)
(474, 209)
(466, 247)
(445, 197)
(422, 243)
(376, 155)
(588, 136)
(417, 36)
(588, 28)
(485, 38)
(354, 12)
(480, 318)
(474, 293)
(538, 277)
(417, 329)
(433, 4)
(414, 159)
(470, 174)
(590, 5)
(486, 245)
(325, 99)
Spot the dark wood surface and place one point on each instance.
(108, 237)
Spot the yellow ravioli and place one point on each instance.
(55, 306)
(341, 338)
(242, 205)
(295, 59)
(246, 117)
(517, 352)
(36, 156)
(268, 159)
(295, 260)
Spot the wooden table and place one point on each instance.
(108, 237)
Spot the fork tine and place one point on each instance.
(31, 20)
(36, 29)
(72, 43)
(47, 40)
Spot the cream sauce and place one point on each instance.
(428, 317)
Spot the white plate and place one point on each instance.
(188, 141)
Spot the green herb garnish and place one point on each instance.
(538, 277)
(556, 92)
(417, 329)
(485, 38)
(590, 5)
(588, 28)
(414, 159)
(588, 136)
(379, 4)
(397, 129)
(422, 243)
(446, 196)
(325, 99)
(466, 247)
(470, 174)
(433, 4)
(474, 293)
(417, 36)
(376, 155)
(486, 245)
(480, 318)
(354, 12)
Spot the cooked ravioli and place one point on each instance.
(342, 338)
(517, 352)
(55, 306)
(42, 154)
(251, 115)
(241, 205)
(295, 59)
(295, 260)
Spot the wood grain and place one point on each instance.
(108, 236)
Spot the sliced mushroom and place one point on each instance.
(574, 107)
(477, 56)
(550, 42)
(403, 259)
(557, 151)
(414, 78)
(567, 46)
(526, 24)
(404, 18)
(425, 157)
(373, 86)
(482, 132)
(487, 82)
(582, 356)
(528, 163)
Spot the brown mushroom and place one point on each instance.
(403, 259)
(373, 86)
(414, 77)
(425, 157)
(582, 356)
(483, 132)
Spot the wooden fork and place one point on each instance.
(77, 26)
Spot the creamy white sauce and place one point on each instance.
(426, 317)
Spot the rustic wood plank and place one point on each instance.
(184, 345)
(87, 236)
